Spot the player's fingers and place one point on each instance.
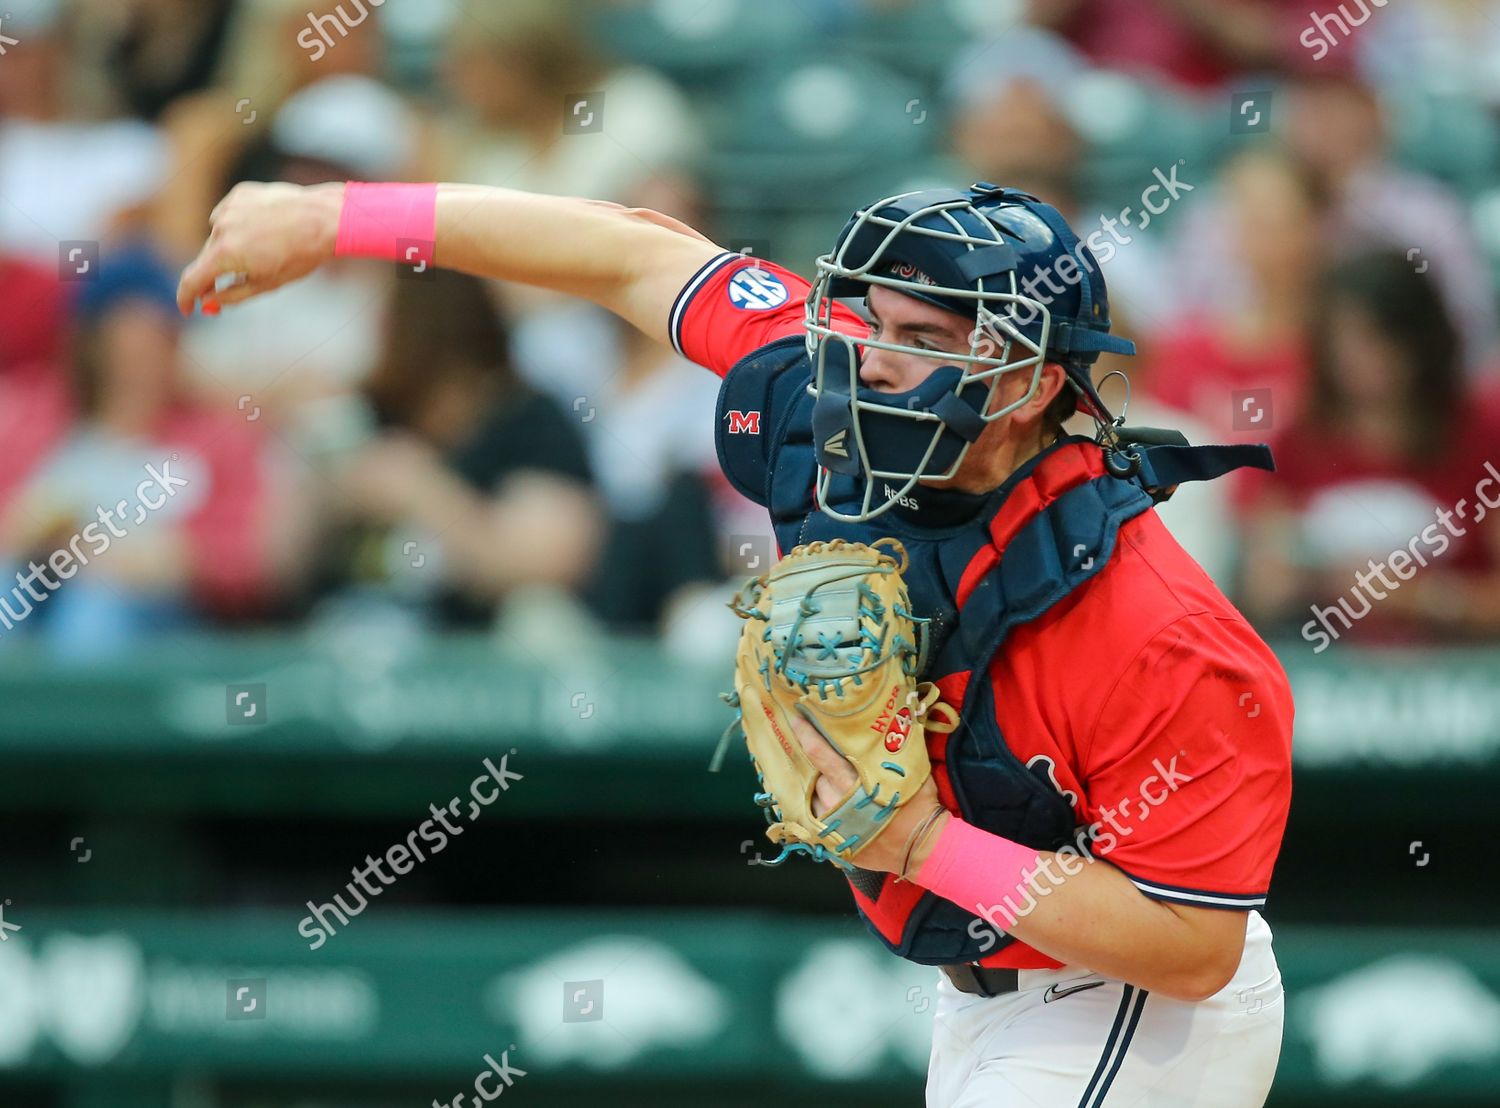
(216, 282)
(825, 797)
(197, 280)
(213, 216)
(827, 761)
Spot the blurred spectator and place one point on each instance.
(64, 178)
(1390, 436)
(1010, 112)
(200, 540)
(298, 351)
(274, 49)
(1334, 126)
(1195, 44)
(516, 73)
(1335, 123)
(160, 50)
(650, 431)
(1269, 246)
(33, 312)
(277, 47)
(517, 77)
(1012, 124)
(35, 401)
(342, 126)
(1442, 45)
(475, 485)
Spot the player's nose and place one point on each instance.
(877, 370)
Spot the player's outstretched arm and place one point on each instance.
(629, 260)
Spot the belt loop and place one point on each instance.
(978, 978)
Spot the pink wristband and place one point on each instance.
(397, 223)
(980, 872)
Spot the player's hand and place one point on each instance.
(838, 777)
(268, 235)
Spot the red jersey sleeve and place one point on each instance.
(1188, 771)
(736, 304)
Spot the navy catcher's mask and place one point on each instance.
(999, 257)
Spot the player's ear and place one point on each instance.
(1053, 380)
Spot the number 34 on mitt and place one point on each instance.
(829, 635)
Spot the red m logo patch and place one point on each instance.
(744, 423)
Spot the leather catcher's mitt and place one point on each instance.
(829, 634)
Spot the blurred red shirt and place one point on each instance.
(1335, 482)
(1194, 370)
(1149, 36)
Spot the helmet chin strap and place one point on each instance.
(963, 420)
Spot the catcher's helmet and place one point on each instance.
(1002, 258)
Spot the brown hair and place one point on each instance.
(1407, 310)
(438, 323)
(1060, 410)
(542, 35)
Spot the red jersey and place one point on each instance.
(1160, 714)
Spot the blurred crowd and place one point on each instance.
(374, 444)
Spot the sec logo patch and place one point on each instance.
(756, 290)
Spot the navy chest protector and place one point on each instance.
(972, 597)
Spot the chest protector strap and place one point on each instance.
(1053, 531)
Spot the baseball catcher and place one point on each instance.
(985, 683)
